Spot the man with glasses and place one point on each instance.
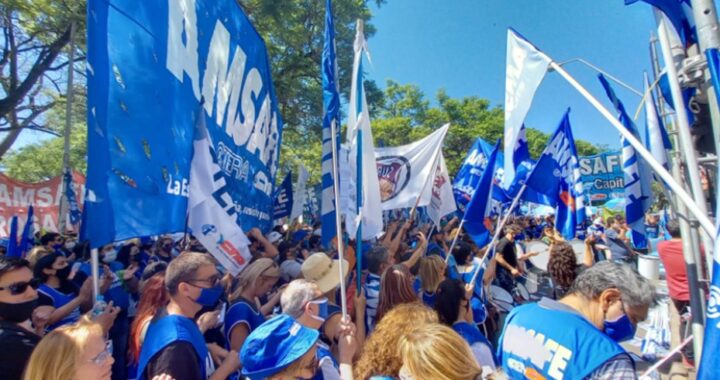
(578, 336)
(18, 299)
(174, 347)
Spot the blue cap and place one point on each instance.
(274, 345)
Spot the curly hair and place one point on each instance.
(562, 265)
(395, 289)
(380, 356)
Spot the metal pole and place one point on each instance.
(95, 272)
(603, 72)
(338, 223)
(706, 25)
(64, 206)
(640, 149)
(684, 137)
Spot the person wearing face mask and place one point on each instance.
(165, 250)
(578, 337)
(18, 299)
(66, 300)
(304, 301)
(52, 241)
(174, 346)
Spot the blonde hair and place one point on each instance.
(36, 254)
(380, 355)
(435, 351)
(431, 272)
(249, 276)
(57, 355)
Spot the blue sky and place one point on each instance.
(459, 45)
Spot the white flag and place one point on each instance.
(299, 194)
(656, 138)
(442, 201)
(211, 212)
(359, 133)
(525, 68)
(406, 172)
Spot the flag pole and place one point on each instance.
(433, 172)
(452, 245)
(359, 204)
(338, 222)
(64, 204)
(498, 231)
(704, 221)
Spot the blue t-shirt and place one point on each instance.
(242, 312)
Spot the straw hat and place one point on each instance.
(323, 271)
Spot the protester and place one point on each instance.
(673, 259)
(245, 313)
(603, 308)
(395, 289)
(380, 356)
(618, 243)
(438, 244)
(378, 260)
(467, 266)
(508, 262)
(76, 351)
(325, 273)
(652, 226)
(434, 351)
(153, 297)
(65, 298)
(453, 308)
(52, 241)
(260, 246)
(165, 249)
(431, 273)
(18, 300)
(174, 346)
(564, 268)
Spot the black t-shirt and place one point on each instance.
(507, 249)
(16, 345)
(178, 360)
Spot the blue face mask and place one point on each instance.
(209, 296)
(621, 329)
(322, 309)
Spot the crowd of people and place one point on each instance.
(424, 308)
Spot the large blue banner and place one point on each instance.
(471, 171)
(602, 176)
(150, 65)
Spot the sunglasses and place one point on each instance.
(21, 287)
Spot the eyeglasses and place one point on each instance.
(104, 355)
(213, 280)
(21, 287)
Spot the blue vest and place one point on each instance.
(429, 299)
(323, 353)
(434, 248)
(167, 330)
(471, 333)
(59, 300)
(116, 292)
(555, 344)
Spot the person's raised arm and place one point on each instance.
(419, 250)
(269, 250)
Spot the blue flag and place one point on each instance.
(637, 174)
(283, 198)
(679, 12)
(13, 250)
(472, 170)
(74, 208)
(479, 206)
(557, 176)
(150, 63)
(331, 107)
(27, 240)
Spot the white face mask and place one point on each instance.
(110, 256)
(69, 245)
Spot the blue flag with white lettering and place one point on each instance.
(479, 206)
(331, 107)
(150, 63)
(680, 14)
(637, 174)
(557, 176)
(471, 171)
(283, 198)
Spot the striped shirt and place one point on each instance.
(372, 296)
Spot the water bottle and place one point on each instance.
(99, 306)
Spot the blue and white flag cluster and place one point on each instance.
(150, 64)
(283, 198)
(638, 177)
(679, 12)
(471, 171)
(557, 176)
(657, 139)
(331, 107)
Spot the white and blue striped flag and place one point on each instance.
(657, 140)
(637, 174)
(331, 108)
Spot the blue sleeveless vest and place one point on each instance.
(471, 333)
(323, 353)
(59, 300)
(429, 299)
(167, 330)
(555, 344)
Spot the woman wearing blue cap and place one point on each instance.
(282, 348)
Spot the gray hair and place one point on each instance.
(296, 295)
(636, 290)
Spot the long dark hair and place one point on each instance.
(395, 289)
(450, 294)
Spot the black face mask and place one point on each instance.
(167, 248)
(64, 273)
(17, 312)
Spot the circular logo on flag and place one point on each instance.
(393, 175)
